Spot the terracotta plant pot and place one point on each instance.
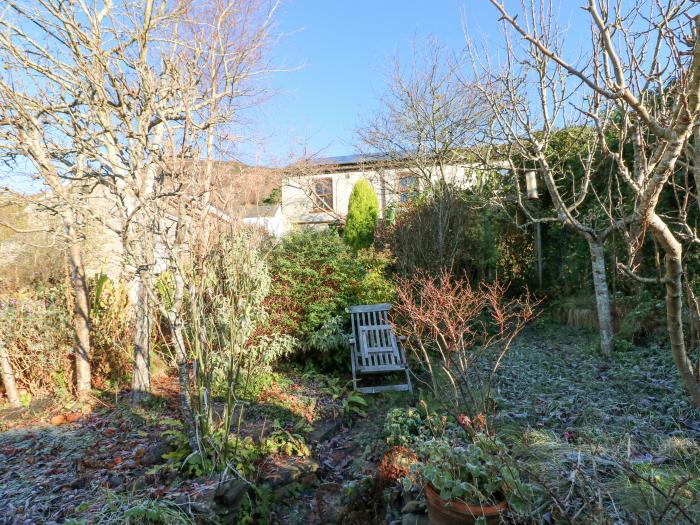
(444, 512)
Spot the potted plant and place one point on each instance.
(468, 483)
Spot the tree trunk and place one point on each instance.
(674, 304)
(674, 320)
(8, 376)
(602, 295)
(183, 368)
(141, 381)
(81, 313)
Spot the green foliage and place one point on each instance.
(316, 278)
(111, 332)
(363, 213)
(256, 372)
(152, 511)
(375, 287)
(275, 197)
(238, 280)
(257, 509)
(457, 229)
(644, 317)
(412, 426)
(244, 452)
(355, 404)
(251, 384)
(126, 509)
(282, 441)
(35, 327)
(476, 473)
(480, 471)
(224, 332)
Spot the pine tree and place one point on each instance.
(363, 213)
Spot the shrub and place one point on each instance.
(444, 229)
(460, 333)
(316, 277)
(111, 331)
(478, 473)
(29, 259)
(35, 328)
(375, 287)
(227, 308)
(363, 213)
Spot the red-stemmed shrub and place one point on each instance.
(459, 333)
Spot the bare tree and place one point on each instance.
(547, 137)
(118, 82)
(427, 121)
(24, 134)
(639, 88)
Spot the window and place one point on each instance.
(323, 194)
(407, 188)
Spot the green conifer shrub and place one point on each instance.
(363, 213)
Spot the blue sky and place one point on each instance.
(341, 48)
(336, 53)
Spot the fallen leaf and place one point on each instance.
(58, 420)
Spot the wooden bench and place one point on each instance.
(374, 348)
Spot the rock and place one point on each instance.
(153, 455)
(138, 484)
(181, 500)
(415, 519)
(115, 480)
(329, 502)
(283, 492)
(413, 507)
(297, 469)
(230, 493)
(78, 483)
(324, 431)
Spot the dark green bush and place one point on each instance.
(456, 229)
(316, 277)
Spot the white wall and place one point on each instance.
(297, 204)
(274, 225)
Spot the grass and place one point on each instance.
(613, 440)
(126, 509)
(555, 378)
(603, 441)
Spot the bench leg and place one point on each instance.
(354, 372)
(408, 380)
